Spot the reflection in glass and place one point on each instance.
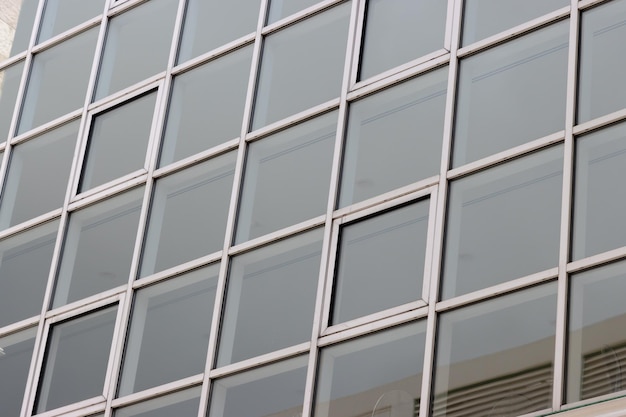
(302, 66)
(270, 298)
(16, 351)
(179, 404)
(496, 358)
(283, 8)
(291, 170)
(503, 223)
(366, 281)
(394, 138)
(375, 375)
(61, 15)
(511, 94)
(16, 25)
(9, 84)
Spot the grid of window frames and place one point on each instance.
(312, 208)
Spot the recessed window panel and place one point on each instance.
(394, 138)
(503, 223)
(302, 66)
(398, 31)
(511, 94)
(61, 15)
(283, 8)
(179, 404)
(16, 351)
(287, 177)
(9, 84)
(169, 331)
(497, 355)
(16, 26)
(271, 298)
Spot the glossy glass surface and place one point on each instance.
(302, 66)
(291, 170)
(179, 404)
(16, 351)
(9, 84)
(16, 26)
(366, 282)
(283, 8)
(394, 138)
(511, 94)
(270, 298)
(61, 15)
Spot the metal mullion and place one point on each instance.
(46, 127)
(156, 392)
(585, 4)
(196, 158)
(213, 54)
(29, 224)
(177, 270)
(19, 326)
(358, 41)
(597, 260)
(299, 16)
(600, 122)
(70, 33)
(13, 60)
(111, 189)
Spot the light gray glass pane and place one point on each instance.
(24, 268)
(398, 31)
(287, 178)
(16, 26)
(302, 66)
(58, 80)
(118, 142)
(602, 88)
(497, 355)
(376, 375)
(180, 404)
(483, 18)
(276, 390)
(169, 331)
(503, 223)
(61, 15)
(206, 107)
(16, 351)
(76, 360)
(212, 23)
(511, 94)
(271, 298)
(394, 138)
(98, 247)
(188, 214)
(600, 197)
(284, 8)
(38, 175)
(380, 262)
(137, 45)
(9, 84)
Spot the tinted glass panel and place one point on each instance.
(284, 8)
(16, 25)
(9, 84)
(61, 15)
(179, 404)
(16, 351)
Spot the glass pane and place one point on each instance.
(16, 351)
(302, 66)
(398, 31)
(212, 23)
(380, 262)
(76, 360)
(188, 215)
(602, 88)
(276, 390)
(180, 404)
(118, 142)
(9, 84)
(376, 375)
(497, 355)
(511, 94)
(58, 80)
(206, 107)
(287, 177)
(503, 223)
(169, 331)
(272, 288)
(394, 138)
(61, 15)
(284, 8)
(137, 45)
(16, 26)
(98, 247)
(24, 268)
(38, 175)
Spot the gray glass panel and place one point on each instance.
(276, 390)
(9, 84)
(511, 94)
(169, 331)
(302, 66)
(496, 358)
(38, 175)
(118, 142)
(398, 31)
(602, 87)
(287, 178)
(180, 404)
(284, 8)
(206, 107)
(58, 80)
(16, 351)
(212, 23)
(188, 214)
(483, 18)
(61, 15)
(380, 262)
(137, 45)
(376, 375)
(98, 247)
(24, 269)
(76, 360)
(270, 299)
(503, 223)
(394, 138)
(16, 26)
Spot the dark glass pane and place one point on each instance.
(16, 351)
(61, 15)
(10, 78)
(180, 404)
